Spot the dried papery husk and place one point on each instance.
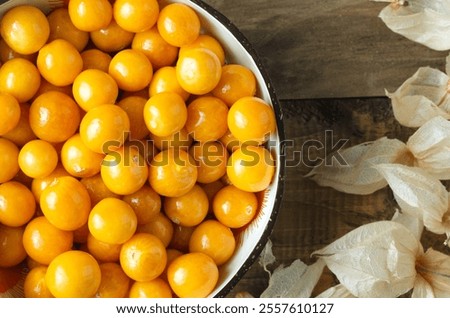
(421, 98)
(338, 291)
(412, 223)
(358, 175)
(374, 260)
(295, 281)
(430, 145)
(266, 258)
(419, 194)
(434, 268)
(422, 21)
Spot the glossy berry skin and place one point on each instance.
(104, 128)
(198, 71)
(206, 119)
(172, 173)
(189, 209)
(17, 204)
(143, 257)
(124, 171)
(213, 239)
(112, 221)
(54, 116)
(165, 114)
(237, 81)
(192, 275)
(25, 29)
(38, 158)
(93, 88)
(131, 69)
(178, 24)
(19, 78)
(69, 195)
(73, 274)
(136, 15)
(9, 154)
(90, 15)
(10, 113)
(233, 207)
(251, 119)
(59, 62)
(43, 241)
(251, 168)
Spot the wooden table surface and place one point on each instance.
(330, 62)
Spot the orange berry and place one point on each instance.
(189, 209)
(212, 159)
(9, 113)
(198, 71)
(38, 158)
(39, 184)
(66, 203)
(234, 207)
(136, 15)
(104, 128)
(17, 204)
(251, 168)
(131, 69)
(160, 226)
(9, 154)
(78, 160)
(143, 257)
(11, 246)
(25, 29)
(237, 81)
(20, 78)
(90, 15)
(43, 241)
(251, 119)
(103, 252)
(54, 117)
(124, 171)
(114, 283)
(172, 173)
(165, 80)
(156, 288)
(112, 38)
(145, 202)
(158, 51)
(61, 27)
(97, 189)
(73, 274)
(134, 107)
(95, 59)
(165, 114)
(207, 42)
(34, 285)
(178, 24)
(93, 88)
(213, 239)
(205, 120)
(112, 221)
(193, 275)
(59, 62)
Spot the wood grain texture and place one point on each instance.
(312, 216)
(318, 49)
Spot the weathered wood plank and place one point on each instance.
(316, 49)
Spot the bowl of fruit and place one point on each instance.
(141, 150)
